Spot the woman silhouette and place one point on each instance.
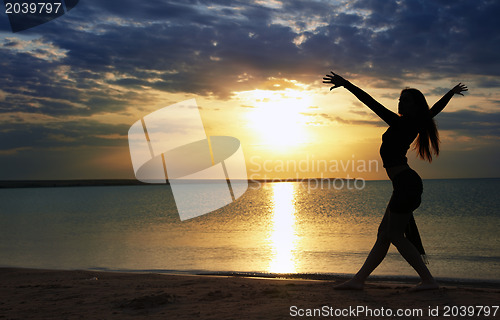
(414, 123)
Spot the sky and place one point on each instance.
(71, 88)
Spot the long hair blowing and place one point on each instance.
(427, 142)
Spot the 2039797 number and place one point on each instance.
(32, 7)
(470, 311)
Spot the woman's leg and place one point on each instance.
(391, 230)
(397, 225)
(375, 257)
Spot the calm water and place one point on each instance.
(275, 227)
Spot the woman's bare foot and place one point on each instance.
(430, 285)
(352, 284)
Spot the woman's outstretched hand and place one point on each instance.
(334, 79)
(459, 88)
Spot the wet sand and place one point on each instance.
(56, 294)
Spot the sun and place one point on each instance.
(278, 117)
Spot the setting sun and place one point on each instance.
(277, 117)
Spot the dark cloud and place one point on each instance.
(202, 47)
(20, 135)
(488, 82)
(471, 123)
(403, 39)
(35, 85)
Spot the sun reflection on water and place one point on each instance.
(283, 237)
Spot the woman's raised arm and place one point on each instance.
(439, 106)
(385, 114)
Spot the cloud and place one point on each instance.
(319, 116)
(488, 82)
(407, 39)
(19, 135)
(471, 123)
(204, 47)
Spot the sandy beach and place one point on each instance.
(56, 294)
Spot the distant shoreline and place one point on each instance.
(11, 184)
(127, 182)
(68, 183)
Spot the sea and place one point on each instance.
(275, 228)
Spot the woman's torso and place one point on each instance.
(395, 143)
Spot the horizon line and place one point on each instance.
(41, 183)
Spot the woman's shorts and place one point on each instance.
(407, 192)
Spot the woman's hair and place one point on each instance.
(427, 141)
